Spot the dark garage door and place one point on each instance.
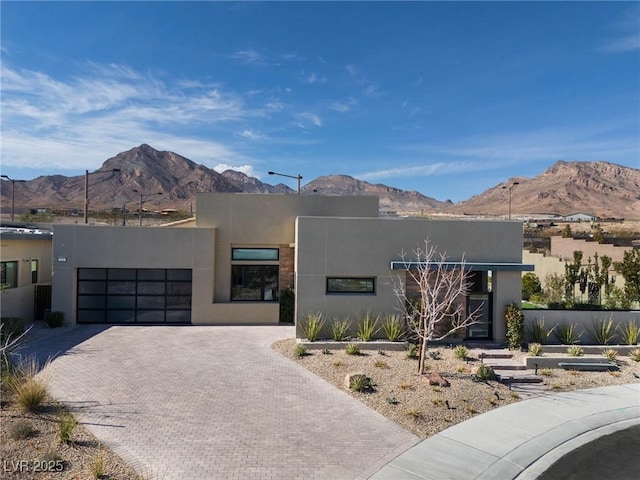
(134, 295)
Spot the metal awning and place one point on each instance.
(475, 266)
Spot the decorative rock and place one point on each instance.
(436, 379)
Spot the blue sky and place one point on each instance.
(445, 98)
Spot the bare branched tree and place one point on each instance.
(440, 307)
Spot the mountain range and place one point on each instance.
(600, 188)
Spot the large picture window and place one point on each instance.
(9, 274)
(351, 285)
(257, 283)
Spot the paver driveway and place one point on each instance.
(214, 403)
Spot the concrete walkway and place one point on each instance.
(522, 440)
(213, 403)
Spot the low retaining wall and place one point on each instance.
(372, 345)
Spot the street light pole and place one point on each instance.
(297, 177)
(86, 189)
(510, 187)
(13, 193)
(140, 207)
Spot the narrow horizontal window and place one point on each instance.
(357, 285)
(260, 254)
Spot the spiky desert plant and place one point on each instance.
(460, 352)
(539, 334)
(629, 333)
(602, 331)
(610, 354)
(339, 329)
(535, 349)
(367, 327)
(393, 328)
(312, 326)
(352, 349)
(575, 351)
(567, 334)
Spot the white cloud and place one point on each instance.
(251, 135)
(246, 169)
(343, 107)
(315, 78)
(628, 43)
(79, 121)
(310, 118)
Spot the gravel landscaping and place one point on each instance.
(31, 448)
(405, 397)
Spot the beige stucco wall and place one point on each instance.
(547, 265)
(564, 248)
(253, 220)
(19, 302)
(365, 247)
(223, 221)
(82, 246)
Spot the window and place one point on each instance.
(353, 285)
(9, 274)
(34, 271)
(258, 283)
(260, 254)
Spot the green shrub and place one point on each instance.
(287, 305)
(312, 326)
(367, 327)
(352, 349)
(567, 334)
(484, 372)
(412, 351)
(629, 333)
(67, 423)
(610, 354)
(326, 351)
(460, 352)
(361, 383)
(393, 328)
(300, 350)
(575, 351)
(21, 429)
(515, 326)
(54, 319)
(635, 355)
(602, 331)
(530, 286)
(538, 333)
(546, 372)
(339, 329)
(535, 349)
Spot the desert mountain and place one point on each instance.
(598, 188)
(252, 185)
(390, 198)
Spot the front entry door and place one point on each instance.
(483, 330)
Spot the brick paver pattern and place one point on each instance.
(214, 403)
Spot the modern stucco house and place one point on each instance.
(230, 265)
(25, 271)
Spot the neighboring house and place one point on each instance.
(580, 217)
(340, 256)
(25, 272)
